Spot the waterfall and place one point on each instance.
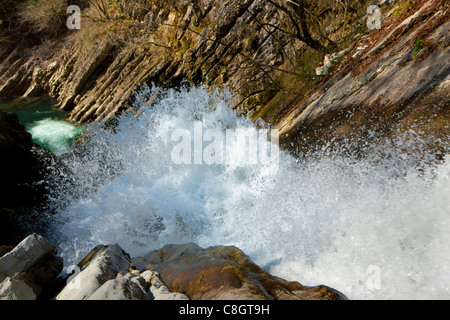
(373, 228)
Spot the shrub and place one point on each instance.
(44, 17)
(417, 47)
(7, 14)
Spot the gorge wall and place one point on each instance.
(393, 82)
(94, 74)
(23, 167)
(386, 79)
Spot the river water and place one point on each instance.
(48, 125)
(373, 228)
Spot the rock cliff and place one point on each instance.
(22, 165)
(224, 273)
(176, 272)
(94, 72)
(394, 78)
(391, 82)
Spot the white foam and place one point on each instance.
(324, 220)
(54, 134)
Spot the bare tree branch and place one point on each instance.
(248, 58)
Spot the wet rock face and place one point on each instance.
(32, 270)
(388, 79)
(107, 274)
(214, 54)
(12, 289)
(224, 273)
(15, 153)
(392, 76)
(100, 266)
(29, 269)
(393, 81)
(20, 168)
(182, 272)
(93, 78)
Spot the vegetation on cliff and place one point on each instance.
(248, 45)
(266, 52)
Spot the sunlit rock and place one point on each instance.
(224, 273)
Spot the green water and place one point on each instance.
(48, 125)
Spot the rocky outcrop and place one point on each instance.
(394, 80)
(182, 272)
(224, 273)
(158, 290)
(12, 289)
(100, 266)
(22, 167)
(107, 274)
(29, 269)
(387, 80)
(32, 270)
(18, 164)
(217, 42)
(123, 287)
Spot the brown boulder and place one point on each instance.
(224, 273)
